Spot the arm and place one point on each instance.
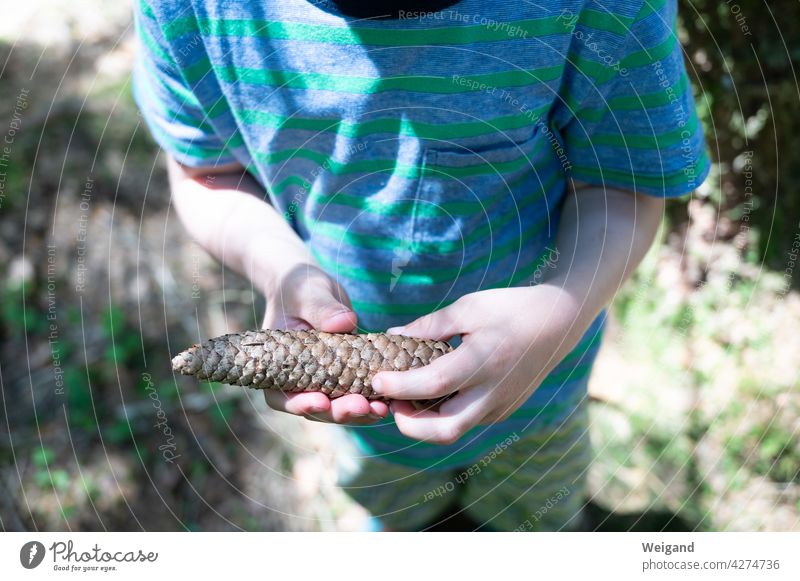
(224, 210)
(513, 337)
(604, 234)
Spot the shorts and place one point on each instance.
(534, 481)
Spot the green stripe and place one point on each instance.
(152, 45)
(400, 126)
(539, 477)
(177, 91)
(154, 101)
(372, 166)
(406, 207)
(589, 18)
(181, 94)
(606, 21)
(398, 169)
(199, 70)
(393, 125)
(574, 374)
(434, 276)
(649, 7)
(419, 309)
(545, 450)
(376, 36)
(190, 149)
(337, 167)
(399, 440)
(236, 140)
(179, 27)
(541, 413)
(677, 178)
(585, 345)
(372, 85)
(360, 35)
(660, 98)
(661, 141)
(292, 180)
(399, 208)
(560, 438)
(650, 100)
(475, 440)
(600, 73)
(545, 413)
(145, 8)
(341, 235)
(650, 55)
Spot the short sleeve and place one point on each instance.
(635, 124)
(170, 106)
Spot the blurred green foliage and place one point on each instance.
(700, 421)
(744, 56)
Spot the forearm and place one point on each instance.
(603, 235)
(224, 211)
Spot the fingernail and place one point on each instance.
(377, 385)
(395, 330)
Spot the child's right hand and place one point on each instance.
(307, 298)
(225, 210)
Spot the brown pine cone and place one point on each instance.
(335, 364)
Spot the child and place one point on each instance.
(490, 171)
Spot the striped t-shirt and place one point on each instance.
(425, 157)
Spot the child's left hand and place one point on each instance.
(511, 339)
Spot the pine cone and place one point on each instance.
(294, 361)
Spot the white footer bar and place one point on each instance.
(412, 556)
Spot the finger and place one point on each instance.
(323, 311)
(339, 322)
(325, 316)
(453, 419)
(379, 408)
(340, 294)
(299, 404)
(439, 325)
(353, 408)
(442, 377)
(318, 407)
(284, 321)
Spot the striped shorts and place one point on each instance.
(533, 481)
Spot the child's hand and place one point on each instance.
(307, 298)
(512, 338)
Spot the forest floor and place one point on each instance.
(695, 404)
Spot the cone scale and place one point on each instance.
(335, 364)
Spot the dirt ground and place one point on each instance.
(695, 400)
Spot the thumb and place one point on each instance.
(323, 311)
(440, 325)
